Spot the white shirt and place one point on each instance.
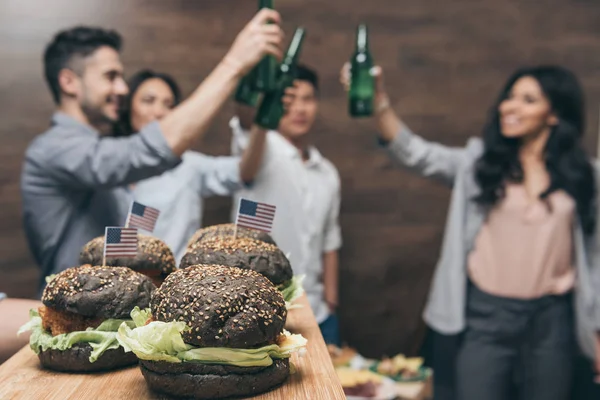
(307, 197)
(179, 193)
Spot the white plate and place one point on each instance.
(385, 391)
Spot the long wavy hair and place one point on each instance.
(123, 126)
(566, 162)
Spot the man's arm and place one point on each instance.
(189, 121)
(253, 155)
(331, 279)
(244, 118)
(332, 241)
(246, 115)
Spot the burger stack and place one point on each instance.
(212, 329)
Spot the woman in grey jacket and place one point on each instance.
(520, 247)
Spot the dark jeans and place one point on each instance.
(441, 357)
(330, 329)
(584, 387)
(509, 344)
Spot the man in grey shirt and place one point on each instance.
(75, 176)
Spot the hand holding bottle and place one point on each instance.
(256, 40)
(381, 100)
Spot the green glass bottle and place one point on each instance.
(362, 83)
(266, 71)
(245, 93)
(271, 109)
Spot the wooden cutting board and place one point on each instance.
(22, 378)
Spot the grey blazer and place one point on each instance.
(445, 309)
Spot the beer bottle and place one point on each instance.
(362, 83)
(266, 71)
(245, 93)
(271, 109)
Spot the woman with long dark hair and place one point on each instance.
(519, 246)
(179, 193)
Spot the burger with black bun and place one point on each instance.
(245, 253)
(154, 258)
(75, 330)
(213, 332)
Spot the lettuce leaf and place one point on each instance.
(162, 341)
(292, 291)
(102, 338)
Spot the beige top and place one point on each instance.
(524, 249)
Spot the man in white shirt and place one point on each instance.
(305, 187)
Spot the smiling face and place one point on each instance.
(301, 113)
(526, 111)
(98, 86)
(151, 101)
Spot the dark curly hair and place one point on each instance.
(566, 162)
(123, 126)
(70, 45)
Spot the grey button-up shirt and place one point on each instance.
(73, 185)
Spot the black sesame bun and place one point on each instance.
(228, 230)
(98, 292)
(244, 253)
(223, 307)
(77, 359)
(213, 382)
(84, 297)
(154, 258)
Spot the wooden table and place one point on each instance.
(22, 378)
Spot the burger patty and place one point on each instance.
(59, 322)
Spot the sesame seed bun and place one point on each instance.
(98, 292)
(223, 306)
(77, 359)
(244, 253)
(228, 230)
(212, 382)
(154, 258)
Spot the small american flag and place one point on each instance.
(255, 215)
(120, 242)
(142, 217)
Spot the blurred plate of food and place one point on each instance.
(365, 384)
(402, 369)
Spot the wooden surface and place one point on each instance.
(21, 377)
(444, 63)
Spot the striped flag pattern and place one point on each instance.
(255, 215)
(142, 217)
(120, 242)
